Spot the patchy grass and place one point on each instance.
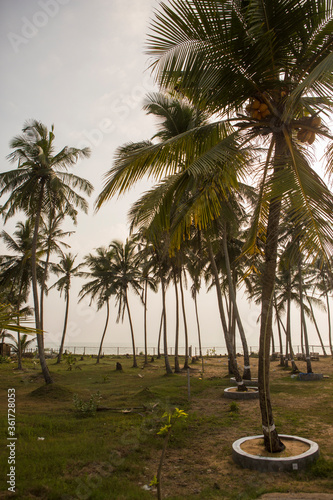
(116, 452)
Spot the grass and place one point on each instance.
(113, 454)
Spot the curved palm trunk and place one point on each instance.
(185, 367)
(40, 336)
(232, 360)
(104, 332)
(135, 364)
(271, 437)
(165, 338)
(61, 348)
(316, 326)
(177, 367)
(247, 368)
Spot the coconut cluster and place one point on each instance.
(258, 109)
(309, 136)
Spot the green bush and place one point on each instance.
(86, 408)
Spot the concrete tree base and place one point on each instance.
(310, 376)
(249, 383)
(251, 393)
(275, 462)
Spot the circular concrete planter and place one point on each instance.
(251, 393)
(248, 383)
(274, 464)
(307, 377)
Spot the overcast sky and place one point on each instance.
(80, 65)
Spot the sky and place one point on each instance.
(81, 66)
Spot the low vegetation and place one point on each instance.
(117, 449)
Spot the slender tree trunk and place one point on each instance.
(232, 359)
(198, 322)
(316, 326)
(19, 352)
(43, 285)
(185, 321)
(288, 331)
(159, 336)
(145, 321)
(271, 437)
(135, 364)
(61, 348)
(165, 336)
(104, 331)
(177, 367)
(280, 336)
(305, 330)
(247, 368)
(40, 336)
(329, 323)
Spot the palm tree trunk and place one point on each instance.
(329, 323)
(40, 336)
(198, 323)
(43, 284)
(159, 336)
(247, 368)
(185, 322)
(61, 348)
(271, 438)
(232, 359)
(165, 337)
(177, 367)
(288, 331)
(316, 326)
(305, 330)
(145, 321)
(104, 332)
(279, 333)
(135, 364)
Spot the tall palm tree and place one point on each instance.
(126, 274)
(100, 285)
(66, 269)
(279, 58)
(42, 181)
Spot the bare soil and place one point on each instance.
(293, 448)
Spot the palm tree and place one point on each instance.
(126, 274)
(100, 287)
(279, 58)
(65, 268)
(40, 182)
(24, 343)
(15, 269)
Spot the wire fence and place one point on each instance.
(193, 350)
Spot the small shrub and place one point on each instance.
(234, 406)
(86, 408)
